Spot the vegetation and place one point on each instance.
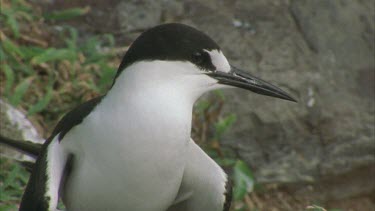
(46, 72)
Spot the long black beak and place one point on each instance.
(244, 80)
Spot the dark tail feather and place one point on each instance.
(27, 147)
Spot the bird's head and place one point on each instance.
(183, 58)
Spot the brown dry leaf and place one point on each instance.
(64, 68)
(81, 58)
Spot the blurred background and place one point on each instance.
(317, 154)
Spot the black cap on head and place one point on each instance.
(178, 42)
(172, 42)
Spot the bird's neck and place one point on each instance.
(150, 104)
(151, 92)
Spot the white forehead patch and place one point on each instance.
(219, 61)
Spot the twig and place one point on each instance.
(34, 41)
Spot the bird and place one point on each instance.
(131, 148)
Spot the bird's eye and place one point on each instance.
(198, 58)
(203, 61)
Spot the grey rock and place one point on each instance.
(138, 15)
(340, 32)
(14, 124)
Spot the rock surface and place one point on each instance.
(320, 51)
(14, 124)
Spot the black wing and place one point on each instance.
(74, 117)
(36, 196)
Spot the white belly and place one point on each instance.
(124, 170)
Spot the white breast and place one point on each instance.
(130, 152)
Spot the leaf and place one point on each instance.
(53, 54)
(20, 91)
(243, 180)
(111, 39)
(67, 14)
(12, 22)
(23, 67)
(3, 57)
(220, 94)
(4, 207)
(9, 76)
(71, 42)
(11, 48)
(30, 51)
(106, 77)
(90, 49)
(224, 124)
(9, 15)
(11, 186)
(42, 103)
(92, 85)
(202, 105)
(225, 161)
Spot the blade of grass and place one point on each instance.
(106, 77)
(13, 24)
(67, 14)
(42, 103)
(52, 54)
(31, 51)
(71, 42)
(11, 48)
(9, 76)
(20, 91)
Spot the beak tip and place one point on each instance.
(244, 80)
(292, 99)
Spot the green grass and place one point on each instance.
(46, 78)
(13, 179)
